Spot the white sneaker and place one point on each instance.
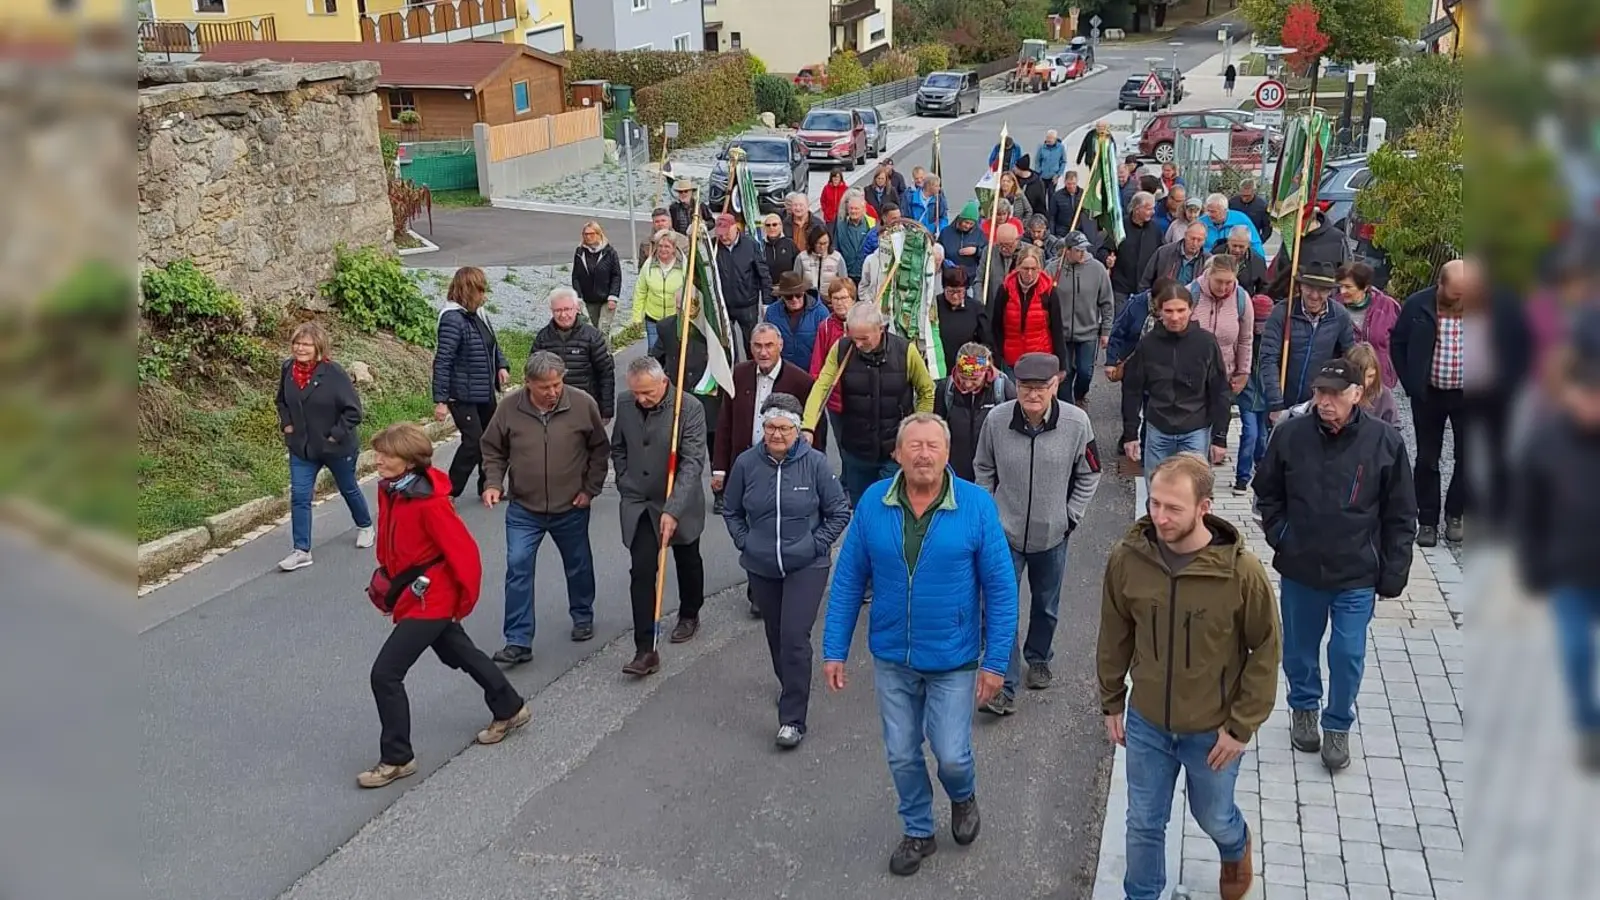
(365, 537)
(299, 559)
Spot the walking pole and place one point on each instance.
(1294, 262)
(677, 408)
(994, 213)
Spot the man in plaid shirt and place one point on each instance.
(1427, 347)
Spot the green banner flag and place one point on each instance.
(712, 318)
(1299, 173)
(1102, 196)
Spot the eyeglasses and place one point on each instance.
(773, 224)
(778, 428)
(1028, 387)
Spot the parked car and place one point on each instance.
(948, 94)
(1128, 96)
(1067, 65)
(1084, 48)
(777, 164)
(811, 78)
(1245, 141)
(877, 130)
(834, 136)
(1342, 180)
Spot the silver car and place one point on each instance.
(877, 130)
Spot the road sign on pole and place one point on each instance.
(672, 131)
(1095, 21)
(1270, 95)
(1152, 87)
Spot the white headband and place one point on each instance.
(780, 413)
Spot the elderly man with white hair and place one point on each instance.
(1219, 220)
(1128, 260)
(1252, 265)
(851, 230)
(1001, 262)
(1050, 159)
(881, 378)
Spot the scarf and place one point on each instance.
(302, 372)
(1366, 298)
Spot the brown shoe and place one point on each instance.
(647, 662)
(499, 728)
(685, 630)
(384, 774)
(1236, 877)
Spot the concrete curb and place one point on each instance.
(427, 245)
(110, 553)
(565, 209)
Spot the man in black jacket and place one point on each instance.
(1128, 260)
(583, 350)
(1250, 202)
(1176, 373)
(1339, 509)
(682, 208)
(1322, 243)
(742, 270)
(1428, 348)
(778, 250)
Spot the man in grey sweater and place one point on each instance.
(1037, 456)
(1084, 288)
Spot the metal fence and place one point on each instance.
(878, 93)
(1205, 172)
(440, 165)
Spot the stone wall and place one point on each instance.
(257, 171)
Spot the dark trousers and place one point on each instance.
(789, 612)
(1490, 417)
(455, 649)
(642, 581)
(470, 418)
(1429, 414)
(744, 319)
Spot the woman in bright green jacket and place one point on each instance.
(660, 284)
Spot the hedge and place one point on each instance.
(704, 103)
(775, 94)
(636, 68)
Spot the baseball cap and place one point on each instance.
(1336, 375)
(1077, 241)
(725, 220)
(1036, 367)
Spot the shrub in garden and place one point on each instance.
(637, 68)
(371, 290)
(895, 65)
(931, 57)
(846, 75)
(186, 321)
(775, 94)
(704, 103)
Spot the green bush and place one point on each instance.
(932, 57)
(371, 290)
(638, 69)
(1412, 89)
(390, 147)
(95, 291)
(846, 75)
(179, 293)
(892, 66)
(754, 63)
(775, 94)
(704, 103)
(188, 322)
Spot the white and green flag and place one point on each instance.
(1102, 196)
(712, 320)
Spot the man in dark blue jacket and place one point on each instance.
(1318, 331)
(742, 270)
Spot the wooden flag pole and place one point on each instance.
(684, 325)
(1294, 262)
(733, 181)
(666, 164)
(994, 213)
(894, 269)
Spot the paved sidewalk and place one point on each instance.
(1390, 824)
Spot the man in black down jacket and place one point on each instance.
(582, 348)
(1129, 259)
(1177, 375)
(1339, 508)
(742, 270)
(778, 251)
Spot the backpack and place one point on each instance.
(997, 387)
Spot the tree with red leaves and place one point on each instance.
(1301, 31)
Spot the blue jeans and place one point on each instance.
(1576, 610)
(1045, 571)
(525, 531)
(1253, 429)
(1306, 613)
(859, 474)
(1159, 445)
(1081, 357)
(303, 489)
(1155, 758)
(649, 335)
(939, 705)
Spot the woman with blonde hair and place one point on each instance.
(597, 276)
(1376, 398)
(660, 284)
(319, 412)
(469, 371)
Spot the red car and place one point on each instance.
(1245, 141)
(834, 136)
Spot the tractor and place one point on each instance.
(1032, 73)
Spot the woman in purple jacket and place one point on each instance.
(1372, 312)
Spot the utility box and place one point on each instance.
(1377, 133)
(589, 93)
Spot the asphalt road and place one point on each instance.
(485, 236)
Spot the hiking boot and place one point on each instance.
(499, 728)
(384, 774)
(685, 630)
(1241, 486)
(907, 858)
(716, 504)
(965, 821)
(1427, 535)
(645, 662)
(584, 632)
(1303, 731)
(1038, 677)
(755, 611)
(298, 559)
(1234, 880)
(1455, 529)
(789, 737)
(1336, 750)
(1003, 704)
(512, 655)
(366, 537)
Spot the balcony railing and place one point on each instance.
(851, 11)
(441, 20)
(194, 36)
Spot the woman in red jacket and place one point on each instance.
(426, 553)
(832, 193)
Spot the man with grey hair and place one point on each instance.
(1182, 262)
(551, 441)
(1219, 220)
(1128, 260)
(641, 445)
(946, 646)
(583, 348)
(1050, 159)
(1254, 206)
(797, 219)
(850, 231)
(1252, 265)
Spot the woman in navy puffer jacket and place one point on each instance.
(468, 371)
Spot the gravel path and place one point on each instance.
(517, 294)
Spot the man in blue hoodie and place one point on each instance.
(1050, 160)
(935, 541)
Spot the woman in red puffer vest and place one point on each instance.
(427, 582)
(1027, 318)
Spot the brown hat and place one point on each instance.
(791, 284)
(682, 184)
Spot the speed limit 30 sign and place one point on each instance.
(1270, 94)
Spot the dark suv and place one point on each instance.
(777, 165)
(1171, 79)
(948, 94)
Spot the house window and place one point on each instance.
(519, 97)
(322, 7)
(641, 5)
(210, 6)
(399, 102)
(681, 43)
(736, 42)
(877, 35)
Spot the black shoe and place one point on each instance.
(1455, 529)
(1038, 677)
(1003, 704)
(1427, 536)
(907, 858)
(755, 611)
(582, 632)
(965, 821)
(512, 655)
(1241, 486)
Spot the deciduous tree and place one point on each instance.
(1357, 30)
(1300, 32)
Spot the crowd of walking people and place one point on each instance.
(950, 491)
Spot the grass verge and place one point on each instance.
(459, 199)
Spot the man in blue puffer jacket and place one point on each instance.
(940, 630)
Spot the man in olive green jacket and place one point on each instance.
(1189, 612)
